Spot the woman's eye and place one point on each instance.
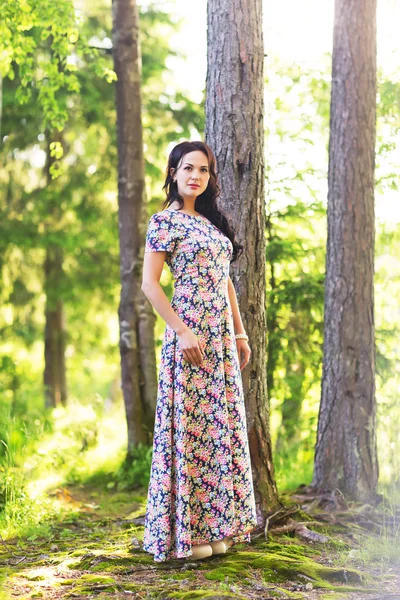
(204, 170)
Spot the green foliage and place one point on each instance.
(76, 215)
(134, 472)
(387, 299)
(71, 445)
(294, 461)
(295, 254)
(28, 30)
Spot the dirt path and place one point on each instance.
(95, 552)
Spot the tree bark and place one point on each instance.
(54, 375)
(235, 132)
(274, 345)
(289, 430)
(346, 454)
(136, 317)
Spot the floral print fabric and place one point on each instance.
(201, 486)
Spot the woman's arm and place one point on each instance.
(152, 267)
(189, 343)
(237, 319)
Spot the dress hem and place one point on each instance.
(178, 555)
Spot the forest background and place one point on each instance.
(81, 441)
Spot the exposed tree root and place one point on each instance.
(327, 508)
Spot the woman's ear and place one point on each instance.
(171, 172)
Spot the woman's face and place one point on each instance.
(192, 174)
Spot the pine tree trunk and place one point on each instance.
(346, 454)
(54, 376)
(235, 132)
(136, 318)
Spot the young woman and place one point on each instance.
(200, 497)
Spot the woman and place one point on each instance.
(200, 496)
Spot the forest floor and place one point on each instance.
(94, 551)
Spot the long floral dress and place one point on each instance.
(201, 486)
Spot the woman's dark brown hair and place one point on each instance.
(206, 203)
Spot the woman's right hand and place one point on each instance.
(190, 345)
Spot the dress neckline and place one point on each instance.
(182, 213)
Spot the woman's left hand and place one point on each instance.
(244, 352)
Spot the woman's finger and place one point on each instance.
(196, 356)
(190, 356)
(199, 357)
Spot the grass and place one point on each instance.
(382, 550)
(78, 444)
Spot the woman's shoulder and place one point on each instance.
(165, 214)
(161, 216)
(163, 219)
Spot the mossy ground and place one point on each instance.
(95, 551)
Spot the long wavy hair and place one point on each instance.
(206, 203)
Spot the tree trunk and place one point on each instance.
(136, 317)
(274, 345)
(54, 377)
(346, 454)
(235, 132)
(289, 430)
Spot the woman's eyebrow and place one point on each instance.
(190, 165)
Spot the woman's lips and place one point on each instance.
(193, 185)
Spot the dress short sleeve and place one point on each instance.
(160, 233)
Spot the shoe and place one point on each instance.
(200, 551)
(218, 547)
(228, 542)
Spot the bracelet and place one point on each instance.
(241, 336)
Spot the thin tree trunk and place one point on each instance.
(346, 454)
(234, 130)
(54, 375)
(289, 431)
(136, 318)
(272, 317)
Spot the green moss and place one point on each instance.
(178, 576)
(136, 587)
(280, 567)
(89, 578)
(76, 553)
(191, 594)
(283, 592)
(333, 596)
(289, 549)
(227, 571)
(102, 562)
(89, 590)
(105, 566)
